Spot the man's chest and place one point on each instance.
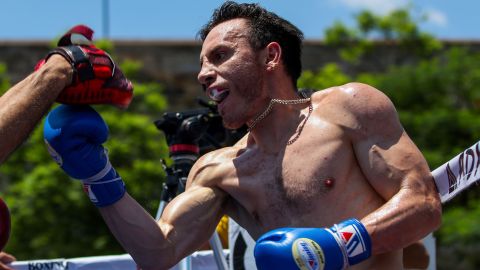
(284, 188)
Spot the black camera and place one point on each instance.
(190, 134)
(202, 128)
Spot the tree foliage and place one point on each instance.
(399, 27)
(4, 80)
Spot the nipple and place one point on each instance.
(329, 182)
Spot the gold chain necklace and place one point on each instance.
(264, 114)
(300, 128)
(251, 125)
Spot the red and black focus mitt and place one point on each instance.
(96, 78)
(4, 224)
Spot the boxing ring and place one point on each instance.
(239, 256)
(201, 260)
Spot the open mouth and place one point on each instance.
(218, 95)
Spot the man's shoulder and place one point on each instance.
(350, 92)
(213, 166)
(356, 98)
(356, 107)
(218, 156)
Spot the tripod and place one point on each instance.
(183, 132)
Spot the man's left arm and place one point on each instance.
(397, 171)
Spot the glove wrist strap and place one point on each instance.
(82, 67)
(355, 240)
(106, 187)
(97, 178)
(105, 194)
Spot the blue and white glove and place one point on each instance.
(338, 247)
(74, 137)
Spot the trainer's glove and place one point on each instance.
(96, 78)
(4, 224)
(338, 247)
(74, 135)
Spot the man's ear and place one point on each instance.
(273, 55)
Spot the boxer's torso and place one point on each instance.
(314, 182)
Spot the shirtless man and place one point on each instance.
(341, 157)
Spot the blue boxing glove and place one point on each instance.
(338, 247)
(74, 137)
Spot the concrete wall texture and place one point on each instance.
(175, 64)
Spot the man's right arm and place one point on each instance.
(23, 105)
(187, 223)
(74, 136)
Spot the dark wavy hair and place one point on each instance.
(265, 27)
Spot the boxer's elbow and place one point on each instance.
(158, 262)
(434, 210)
(423, 202)
(427, 202)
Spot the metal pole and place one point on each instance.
(106, 19)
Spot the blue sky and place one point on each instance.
(159, 19)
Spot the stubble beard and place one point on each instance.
(246, 111)
(250, 87)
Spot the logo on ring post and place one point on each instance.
(308, 255)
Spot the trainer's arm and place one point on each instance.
(396, 169)
(187, 222)
(23, 105)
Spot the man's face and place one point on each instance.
(232, 73)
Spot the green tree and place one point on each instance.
(4, 80)
(398, 27)
(327, 76)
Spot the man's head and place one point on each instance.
(265, 27)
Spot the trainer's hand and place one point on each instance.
(74, 135)
(344, 244)
(5, 260)
(96, 79)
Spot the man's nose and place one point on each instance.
(206, 76)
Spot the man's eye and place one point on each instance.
(220, 56)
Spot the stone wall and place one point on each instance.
(175, 63)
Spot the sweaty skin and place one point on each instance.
(352, 159)
(23, 105)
